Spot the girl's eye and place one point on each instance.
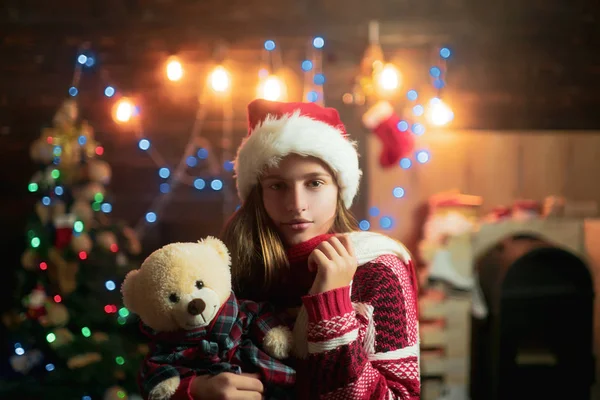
(315, 184)
(276, 186)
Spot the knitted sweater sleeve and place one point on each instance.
(366, 348)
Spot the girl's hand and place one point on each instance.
(227, 386)
(335, 263)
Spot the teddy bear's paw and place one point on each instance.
(278, 342)
(165, 389)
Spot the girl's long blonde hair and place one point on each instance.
(257, 252)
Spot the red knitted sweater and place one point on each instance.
(363, 344)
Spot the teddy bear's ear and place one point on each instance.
(220, 247)
(130, 292)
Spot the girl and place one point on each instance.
(295, 244)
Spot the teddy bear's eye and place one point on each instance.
(174, 298)
(199, 284)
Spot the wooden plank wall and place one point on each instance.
(500, 166)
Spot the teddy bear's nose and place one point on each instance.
(196, 306)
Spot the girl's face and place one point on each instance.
(300, 196)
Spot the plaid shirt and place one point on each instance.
(229, 344)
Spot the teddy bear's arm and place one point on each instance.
(266, 330)
(160, 380)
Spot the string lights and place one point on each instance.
(384, 81)
(270, 86)
(381, 80)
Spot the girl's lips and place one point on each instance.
(299, 226)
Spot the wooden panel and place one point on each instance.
(544, 162)
(583, 175)
(493, 169)
(446, 169)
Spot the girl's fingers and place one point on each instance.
(328, 249)
(339, 247)
(347, 243)
(316, 258)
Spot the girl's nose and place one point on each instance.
(296, 199)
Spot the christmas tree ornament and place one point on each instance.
(81, 243)
(41, 151)
(115, 393)
(26, 362)
(122, 260)
(107, 240)
(39, 178)
(83, 360)
(100, 337)
(43, 212)
(82, 210)
(66, 114)
(99, 171)
(86, 140)
(57, 315)
(89, 192)
(134, 246)
(29, 260)
(62, 273)
(62, 337)
(36, 303)
(63, 230)
(12, 319)
(58, 208)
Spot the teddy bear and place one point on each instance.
(183, 296)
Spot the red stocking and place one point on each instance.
(383, 122)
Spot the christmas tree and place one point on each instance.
(72, 338)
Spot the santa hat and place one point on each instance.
(277, 129)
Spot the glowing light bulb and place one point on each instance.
(219, 79)
(123, 110)
(439, 113)
(388, 78)
(271, 89)
(174, 69)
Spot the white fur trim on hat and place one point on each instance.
(275, 138)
